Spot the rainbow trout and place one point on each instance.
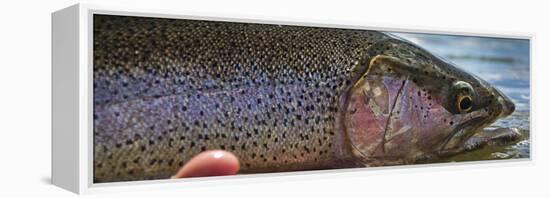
(280, 97)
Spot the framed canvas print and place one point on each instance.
(171, 99)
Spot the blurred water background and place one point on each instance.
(502, 62)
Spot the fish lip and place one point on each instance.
(459, 132)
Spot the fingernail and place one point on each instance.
(218, 154)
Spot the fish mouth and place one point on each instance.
(455, 140)
(461, 134)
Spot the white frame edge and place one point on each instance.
(72, 102)
(70, 99)
(65, 119)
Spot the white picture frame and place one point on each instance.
(72, 102)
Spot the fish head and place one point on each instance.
(411, 105)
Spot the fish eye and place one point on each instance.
(464, 103)
(463, 92)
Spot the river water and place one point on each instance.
(502, 62)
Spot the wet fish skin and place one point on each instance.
(276, 96)
(165, 90)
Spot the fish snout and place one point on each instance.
(506, 105)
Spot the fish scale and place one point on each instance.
(165, 90)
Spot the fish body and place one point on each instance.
(281, 98)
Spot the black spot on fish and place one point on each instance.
(153, 161)
(181, 149)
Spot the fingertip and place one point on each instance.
(210, 163)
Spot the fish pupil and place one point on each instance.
(465, 103)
